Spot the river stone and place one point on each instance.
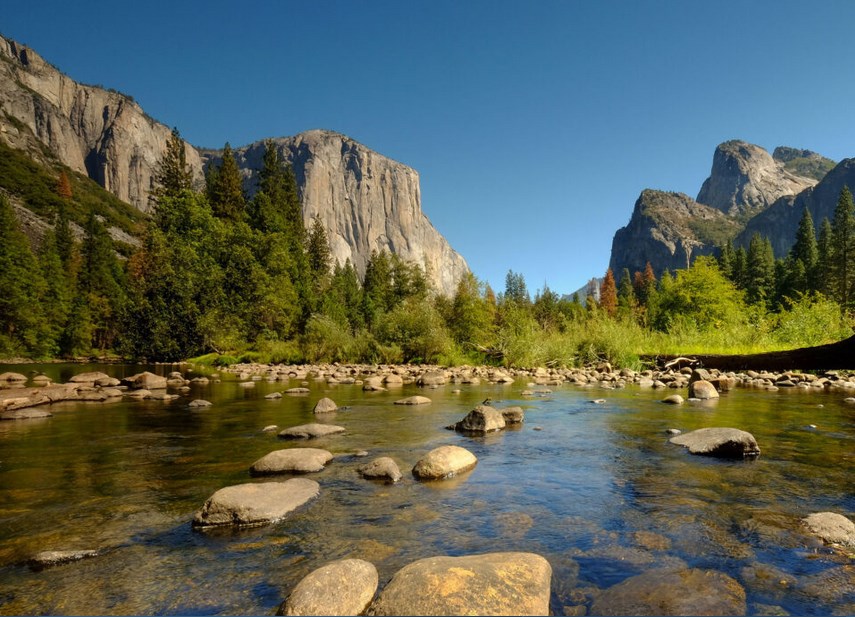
(393, 380)
(310, 431)
(273, 396)
(721, 442)
(702, 389)
(383, 468)
(513, 415)
(255, 504)
(674, 399)
(297, 391)
(482, 419)
(112, 392)
(91, 377)
(293, 460)
(199, 403)
(146, 381)
(46, 559)
(490, 584)
(444, 462)
(673, 592)
(413, 400)
(344, 587)
(325, 405)
(11, 378)
(28, 413)
(140, 394)
(833, 528)
(432, 378)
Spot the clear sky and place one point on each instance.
(534, 125)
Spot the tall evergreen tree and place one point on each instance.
(101, 282)
(627, 301)
(843, 249)
(515, 289)
(760, 271)
(64, 239)
(56, 297)
(801, 265)
(824, 253)
(172, 175)
(225, 188)
(318, 248)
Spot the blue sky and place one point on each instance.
(533, 126)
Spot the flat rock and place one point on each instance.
(90, 377)
(344, 587)
(325, 405)
(29, 413)
(293, 460)
(702, 389)
(273, 396)
(833, 528)
(112, 392)
(199, 403)
(10, 377)
(413, 400)
(673, 592)
(311, 431)
(383, 468)
(444, 462)
(490, 584)
(721, 442)
(482, 419)
(255, 504)
(46, 559)
(140, 394)
(297, 391)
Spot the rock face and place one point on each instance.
(673, 592)
(344, 587)
(668, 230)
(721, 442)
(365, 201)
(100, 133)
(255, 504)
(491, 584)
(745, 179)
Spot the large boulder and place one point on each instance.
(12, 378)
(702, 389)
(513, 415)
(432, 378)
(444, 462)
(673, 592)
(255, 504)
(344, 587)
(294, 460)
(833, 528)
(482, 419)
(721, 442)
(146, 381)
(325, 405)
(490, 584)
(310, 431)
(383, 468)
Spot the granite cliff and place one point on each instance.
(366, 200)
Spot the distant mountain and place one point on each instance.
(367, 201)
(748, 190)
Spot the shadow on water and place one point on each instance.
(598, 490)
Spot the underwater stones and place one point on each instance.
(720, 442)
(702, 389)
(325, 405)
(343, 587)
(383, 468)
(310, 431)
(831, 527)
(444, 462)
(413, 400)
(47, 559)
(255, 503)
(667, 591)
(482, 419)
(489, 584)
(293, 460)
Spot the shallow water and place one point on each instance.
(598, 491)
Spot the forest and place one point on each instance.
(222, 278)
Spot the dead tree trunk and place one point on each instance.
(839, 355)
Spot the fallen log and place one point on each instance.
(840, 355)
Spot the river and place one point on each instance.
(595, 488)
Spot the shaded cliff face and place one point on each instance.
(781, 220)
(669, 230)
(102, 134)
(747, 179)
(365, 200)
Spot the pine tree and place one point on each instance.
(627, 301)
(760, 271)
(225, 188)
(100, 281)
(55, 298)
(318, 248)
(843, 249)
(64, 239)
(824, 251)
(726, 259)
(515, 289)
(63, 186)
(608, 294)
(172, 175)
(801, 265)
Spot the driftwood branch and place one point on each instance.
(840, 355)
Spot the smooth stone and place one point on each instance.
(325, 405)
(273, 396)
(674, 431)
(112, 392)
(343, 587)
(482, 419)
(674, 399)
(311, 431)
(46, 559)
(833, 528)
(383, 468)
(199, 403)
(598, 401)
(297, 391)
(91, 377)
(489, 584)
(140, 394)
(513, 415)
(393, 380)
(255, 503)
(10, 377)
(432, 378)
(413, 400)
(30, 413)
(673, 592)
(269, 428)
(721, 442)
(444, 462)
(292, 460)
(702, 389)
(146, 381)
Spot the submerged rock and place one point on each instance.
(199, 403)
(444, 462)
(490, 584)
(311, 431)
(255, 504)
(46, 559)
(344, 587)
(482, 419)
(413, 400)
(833, 528)
(383, 468)
(673, 592)
(513, 415)
(721, 442)
(294, 460)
